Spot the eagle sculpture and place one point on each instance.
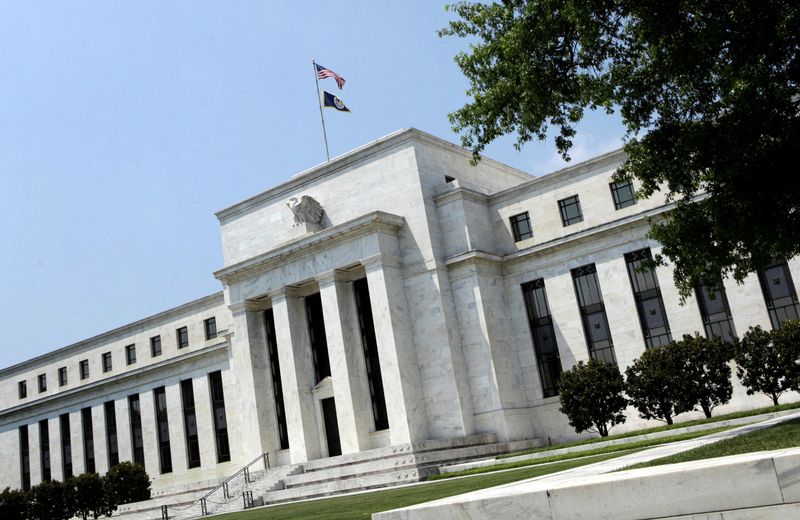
(306, 210)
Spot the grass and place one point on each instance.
(725, 417)
(780, 436)
(361, 506)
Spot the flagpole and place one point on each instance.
(321, 116)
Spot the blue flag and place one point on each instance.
(331, 101)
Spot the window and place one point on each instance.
(715, 311)
(593, 313)
(373, 363)
(42, 383)
(66, 445)
(112, 446)
(155, 346)
(88, 440)
(162, 430)
(107, 362)
(521, 226)
(130, 354)
(623, 194)
(137, 440)
(84, 368)
(570, 210)
(62, 376)
(44, 450)
(779, 293)
(24, 457)
(190, 424)
(319, 342)
(277, 386)
(220, 421)
(182, 334)
(544, 336)
(210, 326)
(649, 304)
(22, 388)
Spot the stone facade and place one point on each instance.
(441, 335)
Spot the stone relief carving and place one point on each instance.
(306, 211)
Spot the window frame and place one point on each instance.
(155, 340)
(208, 324)
(564, 204)
(515, 221)
(22, 389)
(107, 362)
(616, 187)
(130, 354)
(41, 380)
(179, 333)
(62, 381)
(83, 369)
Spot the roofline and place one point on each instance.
(205, 301)
(355, 156)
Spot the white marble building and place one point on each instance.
(407, 312)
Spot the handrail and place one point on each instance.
(224, 484)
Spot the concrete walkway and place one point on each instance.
(506, 492)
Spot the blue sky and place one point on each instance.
(125, 125)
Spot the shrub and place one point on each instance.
(706, 375)
(126, 482)
(767, 361)
(656, 386)
(591, 396)
(13, 503)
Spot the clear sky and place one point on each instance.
(125, 125)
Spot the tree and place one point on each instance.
(126, 482)
(591, 396)
(707, 90)
(656, 384)
(88, 496)
(13, 503)
(47, 501)
(706, 373)
(767, 361)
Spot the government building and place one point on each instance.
(395, 300)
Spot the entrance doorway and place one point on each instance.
(331, 427)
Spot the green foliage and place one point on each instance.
(88, 494)
(591, 396)
(48, 501)
(656, 386)
(126, 482)
(708, 92)
(706, 373)
(13, 503)
(768, 361)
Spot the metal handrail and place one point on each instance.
(224, 484)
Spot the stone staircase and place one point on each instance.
(371, 469)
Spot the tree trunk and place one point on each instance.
(775, 399)
(706, 409)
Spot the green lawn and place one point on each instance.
(361, 507)
(784, 435)
(725, 417)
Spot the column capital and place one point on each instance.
(380, 261)
(331, 276)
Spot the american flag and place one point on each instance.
(323, 73)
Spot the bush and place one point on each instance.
(87, 493)
(591, 396)
(13, 503)
(768, 361)
(706, 375)
(47, 501)
(656, 385)
(126, 482)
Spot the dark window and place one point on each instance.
(521, 226)
(779, 293)
(111, 433)
(66, 445)
(544, 336)
(22, 388)
(162, 429)
(593, 313)
(714, 309)
(84, 369)
(190, 424)
(182, 335)
(24, 457)
(130, 354)
(319, 342)
(107, 362)
(62, 376)
(155, 346)
(44, 449)
(220, 421)
(210, 326)
(137, 441)
(649, 304)
(623, 194)
(570, 210)
(277, 386)
(88, 440)
(370, 345)
(42, 383)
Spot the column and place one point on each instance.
(177, 436)
(205, 423)
(35, 453)
(297, 375)
(405, 402)
(348, 374)
(149, 435)
(100, 443)
(56, 465)
(76, 433)
(123, 429)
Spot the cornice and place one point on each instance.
(375, 221)
(155, 370)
